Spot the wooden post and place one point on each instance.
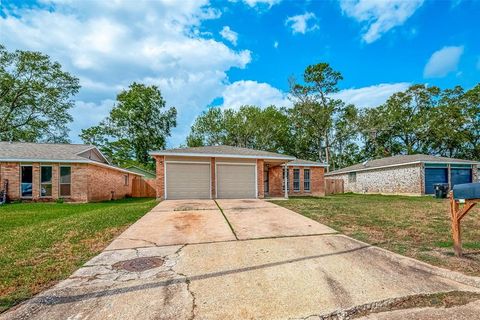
(456, 215)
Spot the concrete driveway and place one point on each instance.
(283, 266)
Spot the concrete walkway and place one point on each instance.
(198, 270)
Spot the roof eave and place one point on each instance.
(219, 155)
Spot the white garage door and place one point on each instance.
(187, 181)
(235, 181)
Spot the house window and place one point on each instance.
(306, 180)
(45, 181)
(283, 180)
(26, 181)
(352, 177)
(65, 181)
(125, 177)
(296, 180)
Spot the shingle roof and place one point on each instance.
(222, 151)
(42, 151)
(400, 160)
(308, 163)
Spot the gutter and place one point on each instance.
(219, 155)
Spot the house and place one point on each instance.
(74, 172)
(145, 173)
(406, 174)
(230, 172)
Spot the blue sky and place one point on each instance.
(228, 53)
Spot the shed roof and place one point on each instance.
(222, 151)
(399, 161)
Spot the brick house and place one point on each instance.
(74, 172)
(406, 174)
(230, 172)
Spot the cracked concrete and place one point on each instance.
(274, 278)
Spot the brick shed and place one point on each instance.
(74, 172)
(406, 174)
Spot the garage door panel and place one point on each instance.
(236, 181)
(188, 180)
(460, 176)
(434, 175)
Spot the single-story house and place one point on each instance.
(406, 174)
(74, 172)
(230, 172)
(145, 173)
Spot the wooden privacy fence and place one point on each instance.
(143, 188)
(333, 186)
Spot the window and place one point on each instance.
(26, 181)
(283, 180)
(352, 177)
(125, 177)
(65, 181)
(306, 180)
(45, 181)
(296, 180)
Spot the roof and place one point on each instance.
(142, 171)
(51, 152)
(223, 152)
(306, 163)
(399, 161)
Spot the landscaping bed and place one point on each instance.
(43, 243)
(418, 227)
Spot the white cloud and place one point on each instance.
(110, 44)
(248, 92)
(275, 44)
(442, 62)
(229, 34)
(302, 23)
(379, 16)
(265, 3)
(371, 96)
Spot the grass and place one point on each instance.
(418, 227)
(43, 243)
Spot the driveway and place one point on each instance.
(283, 266)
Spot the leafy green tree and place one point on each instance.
(35, 97)
(138, 123)
(249, 126)
(315, 108)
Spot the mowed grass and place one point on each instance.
(42, 243)
(417, 227)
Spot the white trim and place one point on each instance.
(186, 162)
(40, 181)
(238, 163)
(25, 165)
(401, 165)
(60, 182)
(222, 155)
(308, 165)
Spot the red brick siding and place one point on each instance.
(260, 184)
(160, 163)
(11, 172)
(317, 181)
(105, 183)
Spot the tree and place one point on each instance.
(35, 97)
(315, 108)
(249, 126)
(137, 124)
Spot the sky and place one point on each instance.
(203, 54)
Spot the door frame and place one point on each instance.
(236, 164)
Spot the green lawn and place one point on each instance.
(42, 243)
(418, 227)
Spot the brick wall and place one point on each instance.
(105, 183)
(11, 171)
(317, 181)
(260, 176)
(160, 163)
(406, 180)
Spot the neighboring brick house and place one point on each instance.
(406, 174)
(230, 172)
(74, 172)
